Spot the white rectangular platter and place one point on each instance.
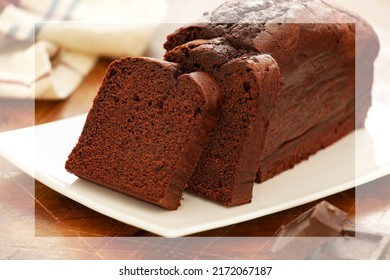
(41, 151)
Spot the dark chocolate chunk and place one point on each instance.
(294, 242)
(323, 219)
(363, 246)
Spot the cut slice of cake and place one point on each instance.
(146, 130)
(227, 168)
(250, 86)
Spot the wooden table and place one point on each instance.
(38, 223)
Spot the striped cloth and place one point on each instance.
(47, 47)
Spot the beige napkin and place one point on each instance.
(47, 47)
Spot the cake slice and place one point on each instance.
(250, 85)
(146, 130)
(227, 168)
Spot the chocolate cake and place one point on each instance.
(313, 43)
(146, 130)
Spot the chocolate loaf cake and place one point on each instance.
(146, 130)
(313, 43)
(253, 89)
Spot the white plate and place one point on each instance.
(41, 151)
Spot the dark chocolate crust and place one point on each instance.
(146, 130)
(313, 43)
